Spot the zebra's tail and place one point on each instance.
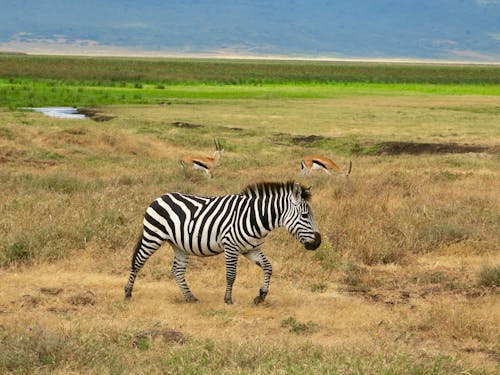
(134, 268)
(136, 250)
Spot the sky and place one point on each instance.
(450, 30)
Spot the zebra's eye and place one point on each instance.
(305, 216)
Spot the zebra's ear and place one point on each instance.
(306, 193)
(297, 191)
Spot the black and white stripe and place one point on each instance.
(229, 224)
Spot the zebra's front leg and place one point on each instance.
(231, 257)
(181, 260)
(257, 256)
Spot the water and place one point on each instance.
(59, 112)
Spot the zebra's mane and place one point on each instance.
(271, 188)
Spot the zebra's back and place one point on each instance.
(192, 223)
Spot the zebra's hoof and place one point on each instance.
(257, 300)
(228, 301)
(260, 298)
(191, 298)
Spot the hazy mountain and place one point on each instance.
(436, 29)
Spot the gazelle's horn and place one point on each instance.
(217, 144)
(348, 171)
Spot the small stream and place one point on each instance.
(59, 112)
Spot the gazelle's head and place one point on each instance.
(298, 219)
(218, 149)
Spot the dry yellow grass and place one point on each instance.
(393, 288)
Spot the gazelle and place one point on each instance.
(318, 162)
(204, 163)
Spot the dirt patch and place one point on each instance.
(286, 139)
(413, 148)
(8, 159)
(382, 148)
(307, 139)
(494, 355)
(94, 114)
(407, 286)
(162, 103)
(53, 291)
(185, 125)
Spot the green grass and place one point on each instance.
(28, 81)
(37, 93)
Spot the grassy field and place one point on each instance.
(117, 71)
(405, 281)
(33, 81)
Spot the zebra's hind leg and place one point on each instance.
(181, 260)
(130, 284)
(257, 256)
(143, 250)
(231, 257)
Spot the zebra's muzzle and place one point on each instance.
(314, 244)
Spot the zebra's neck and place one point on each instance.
(270, 203)
(266, 213)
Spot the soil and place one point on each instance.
(94, 114)
(307, 139)
(397, 148)
(186, 125)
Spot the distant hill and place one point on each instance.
(413, 29)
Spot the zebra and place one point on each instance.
(230, 224)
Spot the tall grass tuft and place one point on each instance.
(19, 250)
(489, 276)
(54, 182)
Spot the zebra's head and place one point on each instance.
(298, 219)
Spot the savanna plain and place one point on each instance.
(406, 280)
